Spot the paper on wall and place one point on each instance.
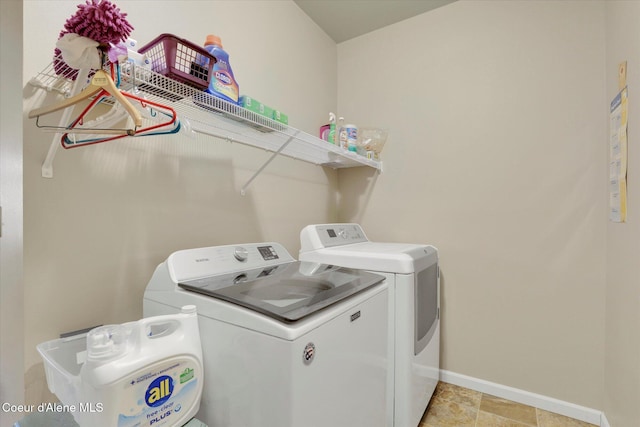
(618, 158)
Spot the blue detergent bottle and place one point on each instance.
(222, 83)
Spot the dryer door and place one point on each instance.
(426, 306)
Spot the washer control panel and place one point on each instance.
(240, 253)
(204, 262)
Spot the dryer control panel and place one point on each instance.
(329, 235)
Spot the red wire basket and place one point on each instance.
(180, 60)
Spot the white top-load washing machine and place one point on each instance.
(411, 271)
(284, 343)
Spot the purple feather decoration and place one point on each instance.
(99, 20)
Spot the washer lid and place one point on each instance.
(286, 292)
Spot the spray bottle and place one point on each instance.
(332, 128)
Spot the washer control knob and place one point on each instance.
(241, 254)
(343, 233)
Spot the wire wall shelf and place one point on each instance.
(208, 115)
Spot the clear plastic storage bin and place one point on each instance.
(63, 359)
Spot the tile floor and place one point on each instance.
(456, 406)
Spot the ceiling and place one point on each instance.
(345, 19)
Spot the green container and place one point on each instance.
(256, 106)
(281, 117)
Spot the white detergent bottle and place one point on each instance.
(143, 373)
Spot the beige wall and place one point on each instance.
(622, 359)
(497, 119)
(95, 232)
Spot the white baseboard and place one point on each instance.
(546, 403)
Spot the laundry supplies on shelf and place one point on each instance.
(281, 117)
(258, 107)
(222, 83)
(180, 60)
(332, 128)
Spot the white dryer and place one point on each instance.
(284, 343)
(413, 277)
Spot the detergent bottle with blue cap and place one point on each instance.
(222, 83)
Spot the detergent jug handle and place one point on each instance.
(158, 327)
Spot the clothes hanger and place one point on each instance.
(104, 123)
(114, 116)
(167, 112)
(101, 84)
(70, 140)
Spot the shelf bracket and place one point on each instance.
(47, 165)
(243, 190)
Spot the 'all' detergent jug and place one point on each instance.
(222, 83)
(144, 373)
